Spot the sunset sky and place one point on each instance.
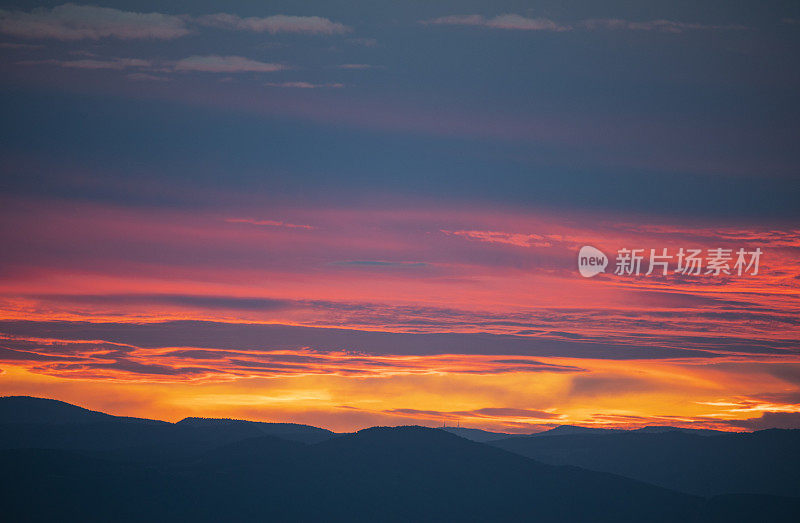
(350, 214)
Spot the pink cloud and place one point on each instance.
(270, 223)
(520, 240)
(393, 269)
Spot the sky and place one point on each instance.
(350, 214)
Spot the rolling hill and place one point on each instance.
(225, 470)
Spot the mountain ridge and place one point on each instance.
(106, 468)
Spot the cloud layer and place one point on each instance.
(224, 64)
(86, 22)
(78, 22)
(275, 24)
(521, 23)
(507, 21)
(204, 219)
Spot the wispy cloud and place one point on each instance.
(522, 23)
(147, 77)
(112, 63)
(664, 26)
(354, 66)
(78, 22)
(225, 64)
(98, 358)
(304, 85)
(380, 264)
(507, 21)
(366, 42)
(11, 45)
(275, 24)
(520, 240)
(197, 63)
(488, 412)
(269, 223)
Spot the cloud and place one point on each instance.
(275, 24)
(94, 358)
(489, 412)
(270, 223)
(599, 385)
(664, 26)
(113, 63)
(354, 66)
(182, 300)
(11, 45)
(507, 21)
(99, 370)
(366, 42)
(7, 354)
(225, 64)
(208, 64)
(147, 77)
(304, 85)
(78, 22)
(381, 264)
(513, 413)
(522, 23)
(519, 240)
(220, 335)
(770, 420)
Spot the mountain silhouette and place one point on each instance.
(658, 429)
(704, 463)
(478, 435)
(291, 431)
(563, 430)
(27, 409)
(27, 422)
(225, 470)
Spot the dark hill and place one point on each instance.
(478, 435)
(706, 463)
(27, 409)
(27, 422)
(107, 469)
(568, 430)
(291, 431)
(413, 473)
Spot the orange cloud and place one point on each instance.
(391, 316)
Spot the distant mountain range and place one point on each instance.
(704, 463)
(481, 436)
(65, 463)
(291, 431)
